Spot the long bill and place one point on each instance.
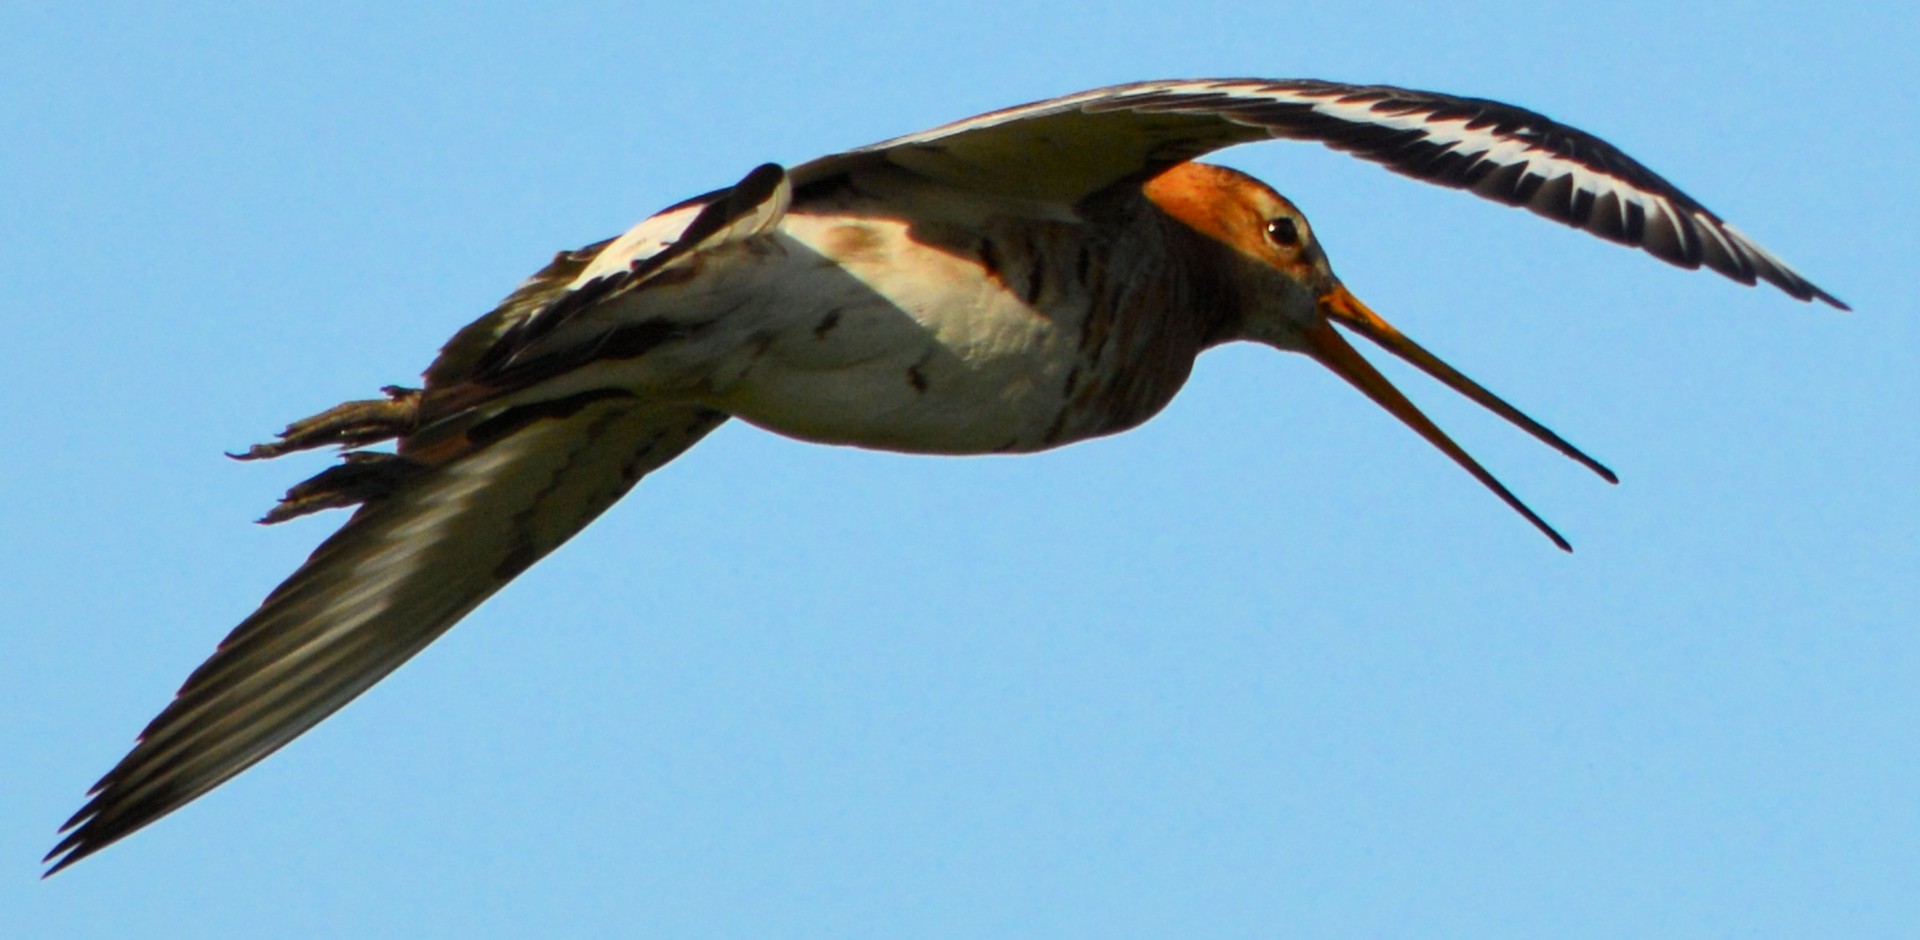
(1340, 305)
(1326, 345)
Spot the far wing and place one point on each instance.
(1067, 148)
(405, 568)
(670, 240)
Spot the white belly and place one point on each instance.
(902, 346)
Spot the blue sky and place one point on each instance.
(1266, 666)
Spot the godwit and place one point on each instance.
(1007, 283)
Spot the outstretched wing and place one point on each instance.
(1066, 148)
(485, 482)
(405, 568)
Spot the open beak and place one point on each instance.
(1327, 346)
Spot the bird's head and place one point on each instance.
(1281, 284)
(1286, 296)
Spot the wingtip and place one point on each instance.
(1802, 289)
(63, 855)
(76, 841)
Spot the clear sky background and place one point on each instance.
(1268, 666)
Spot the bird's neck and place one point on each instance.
(1159, 297)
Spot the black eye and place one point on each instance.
(1283, 232)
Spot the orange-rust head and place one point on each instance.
(1281, 282)
(1290, 299)
(1288, 274)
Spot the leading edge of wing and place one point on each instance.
(1069, 147)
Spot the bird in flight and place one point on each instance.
(1008, 283)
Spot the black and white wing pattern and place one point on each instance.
(1072, 146)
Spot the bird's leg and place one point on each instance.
(353, 424)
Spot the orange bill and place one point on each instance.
(1326, 345)
(1340, 305)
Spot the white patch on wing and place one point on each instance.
(1452, 132)
(652, 236)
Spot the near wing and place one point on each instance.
(490, 476)
(402, 570)
(1072, 146)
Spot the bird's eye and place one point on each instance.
(1283, 232)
